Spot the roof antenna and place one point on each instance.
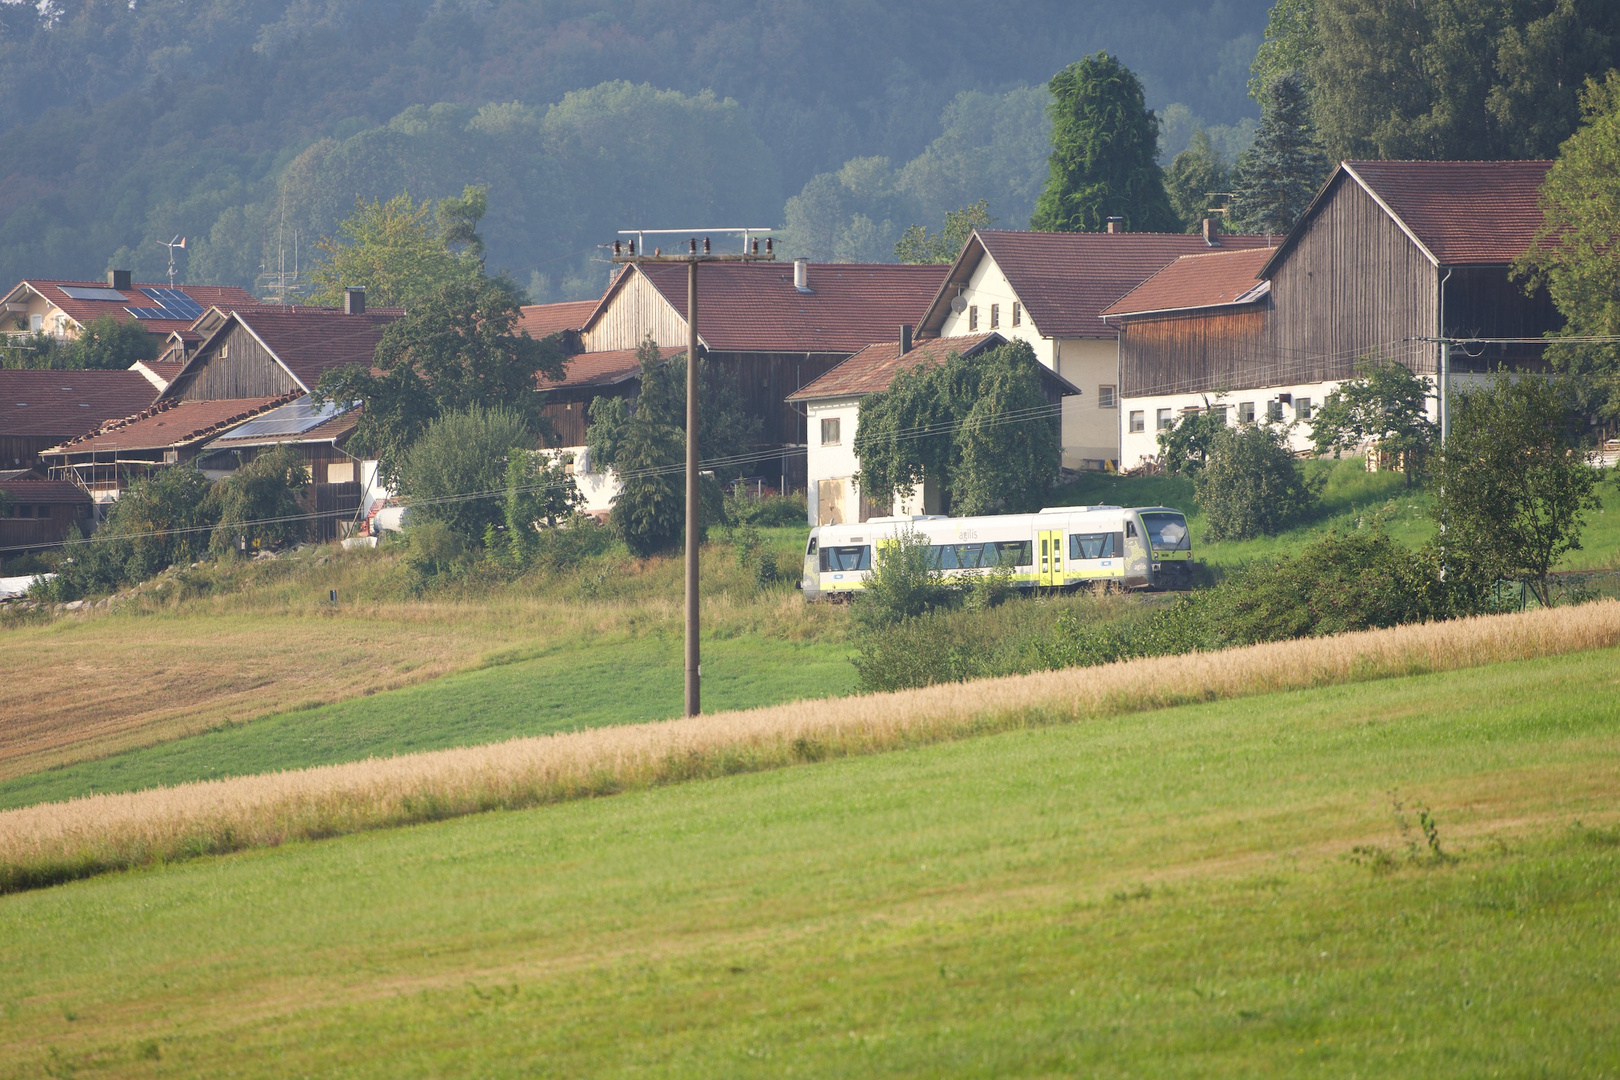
(177, 242)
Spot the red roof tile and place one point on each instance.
(44, 491)
(173, 424)
(874, 368)
(82, 311)
(605, 368)
(1198, 281)
(1462, 211)
(754, 307)
(312, 341)
(1065, 280)
(62, 404)
(543, 320)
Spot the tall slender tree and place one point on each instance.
(1105, 150)
(1278, 176)
(1194, 178)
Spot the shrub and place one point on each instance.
(461, 454)
(1250, 485)
(903, 584)
(154, 524)
(259, 502)
(767, 512)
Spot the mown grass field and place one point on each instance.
(624, 681)
(1165, 893)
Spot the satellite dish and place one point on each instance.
(958, 304)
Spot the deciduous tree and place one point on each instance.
(917, 246)
(1250, 486)
(1387, 405)
(1105, 149)
(402, 253)
(1514, 488)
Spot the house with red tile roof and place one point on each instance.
(1050, 289)
(773, 327)
(40, 408)
(63, 308)
(540, 321)
(1390, 258)
(832, 410)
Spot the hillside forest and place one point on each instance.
(252, 127)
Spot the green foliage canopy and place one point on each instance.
(401, 252)
(258, 503)
(1514, 489)
(1386, 404)
(1250, 485)
(917, 246)
(460, 348)
(987, 433)
(1575, 256)
(1105, 148)
(463, 452)
(1195, 179)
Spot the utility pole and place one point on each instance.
(692, 257)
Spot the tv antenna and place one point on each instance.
(178, 242)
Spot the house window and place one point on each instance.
(995, 316)
(1166, 418)
(1302, 408)
(1018, 313)
(1246, 412)
(36, 323)
(973, 316)
(830, 432)
(1274, 412)
(1138, 420)
(1105, 398)
(1219, 413)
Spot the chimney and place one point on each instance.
(1116, 224)
(905, 338)
(1211, 233)
(354, 300)
(801, 275)
(118, 279)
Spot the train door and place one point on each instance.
(1138, 568)
(1050, 565)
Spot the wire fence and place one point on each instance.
(1564, 589)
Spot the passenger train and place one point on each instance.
(1062, 547)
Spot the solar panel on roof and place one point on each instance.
(96, 292)
(294, 419)
(175, 302)
(149, 312)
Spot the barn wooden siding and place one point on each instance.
(238, 367)
(22, 451)
(638, 309)
(766, 379)
(1190, 352)
(1485, 301)
(1354, 284)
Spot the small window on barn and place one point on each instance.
(1274, 412)
(830, 433)
(1106, 398)
(973, 316)
(1018, 313)
(42, 511)
(1218, 412)
(1302, 408)
(1246, 412)
(995, 316)
(1138, 420)
(1166, 419)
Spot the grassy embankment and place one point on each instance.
(45, 844)
(1168, 893)
(250, 669)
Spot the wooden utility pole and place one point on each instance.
(692, 257)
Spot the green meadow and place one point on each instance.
(1237, 888)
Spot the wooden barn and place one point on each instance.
(773, 327)
(39, 409)
(40, 512)
(1391, 257)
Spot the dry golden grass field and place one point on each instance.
(52, 842)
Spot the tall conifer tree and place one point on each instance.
(1105, 150)
(1279, 175)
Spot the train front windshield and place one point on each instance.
(1167, 530)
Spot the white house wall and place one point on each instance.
(1138, 447)
(836, 463)
(1090, 433)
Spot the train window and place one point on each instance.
(943, 557)
(1167, 531)
(1015, 553)
(811, 550)
(1094, 546)
(1130, 528)
(971, 556)
(846, 558)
